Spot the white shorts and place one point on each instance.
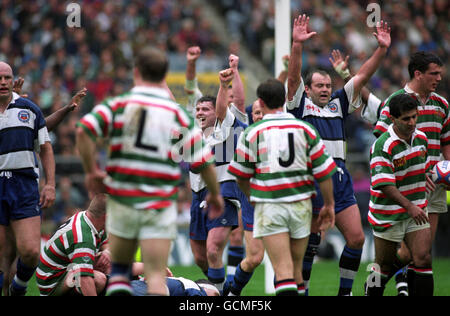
(276, 218)
(437, 200)
(398, 231)
(128, 223)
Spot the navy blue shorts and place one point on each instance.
(200, 223)
(19, 197)
(344, 195)
(247, 212)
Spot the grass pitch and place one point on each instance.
(324, 279)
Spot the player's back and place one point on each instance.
(287, 155)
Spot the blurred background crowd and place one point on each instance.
(56, 60)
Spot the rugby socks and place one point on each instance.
(348, 267)
(376, 283)
(301, 289)
(217, 277)
(401, 282)
(19, 283)
(1, 282)
(119, 282)
(240, 280)
(422, 283)
(235, 256)
(311, 251)
(286, 287)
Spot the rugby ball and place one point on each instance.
(441, 173)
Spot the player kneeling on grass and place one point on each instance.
(397, 209)
(74, 260)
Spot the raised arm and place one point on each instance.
(237, 85)
(192, 54)
(340, 65)
(383, 36)
(58, 116)
(299, 35)
(226, 76)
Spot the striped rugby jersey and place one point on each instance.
(395, 162)
(282, 156)
(74, 245)
(22, 131)
(433, 120)
(149, 135)
(329, 120)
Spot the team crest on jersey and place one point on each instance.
(24, 116)
(399, 162)
(333, 107)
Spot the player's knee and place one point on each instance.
(356, 241)
(255, 260)
(213, 253)
(100, 281)
(422, 259)
(30, 257)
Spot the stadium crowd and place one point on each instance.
(56, 60)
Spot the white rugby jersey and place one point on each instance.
(223, 142)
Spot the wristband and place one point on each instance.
(342, 73)
(191, 85)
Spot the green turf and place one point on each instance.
(324, 279)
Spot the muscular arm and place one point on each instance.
(48, 163)
(87, 285)
(237, 85)
(225, 76)
(299, 35)
(371, 65)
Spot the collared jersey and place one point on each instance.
(433, 120)
(149, 135)
(223, 142)
(74, 245)
(395, 162)
(282, 156)
(22, 131)
(329, 120)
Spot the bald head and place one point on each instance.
(6, 84)
(98, 205)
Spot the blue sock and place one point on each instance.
(235, 256)
(1, 282)
(241, 278)
(119, 281)
(23, 275)
(348, 267)
(311, 251)
(217, 276)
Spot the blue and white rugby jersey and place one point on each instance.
(223, 142)
(329, 120)
(22, 132)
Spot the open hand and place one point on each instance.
(383, 34)
(300, 31)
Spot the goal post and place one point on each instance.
(282, 47)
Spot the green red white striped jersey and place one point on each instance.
(281, 156)
(147, 131)
(395, 162)
(75, 244)
(433, 120)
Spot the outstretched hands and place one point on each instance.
(383, 34)
(300, 31)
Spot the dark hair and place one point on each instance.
(308, 79)
(272, 92)
(152, 64)
(420, 61)
(401, 103)
(207, 98)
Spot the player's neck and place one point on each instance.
(273, 111)
(416, 87)
(4, 102)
